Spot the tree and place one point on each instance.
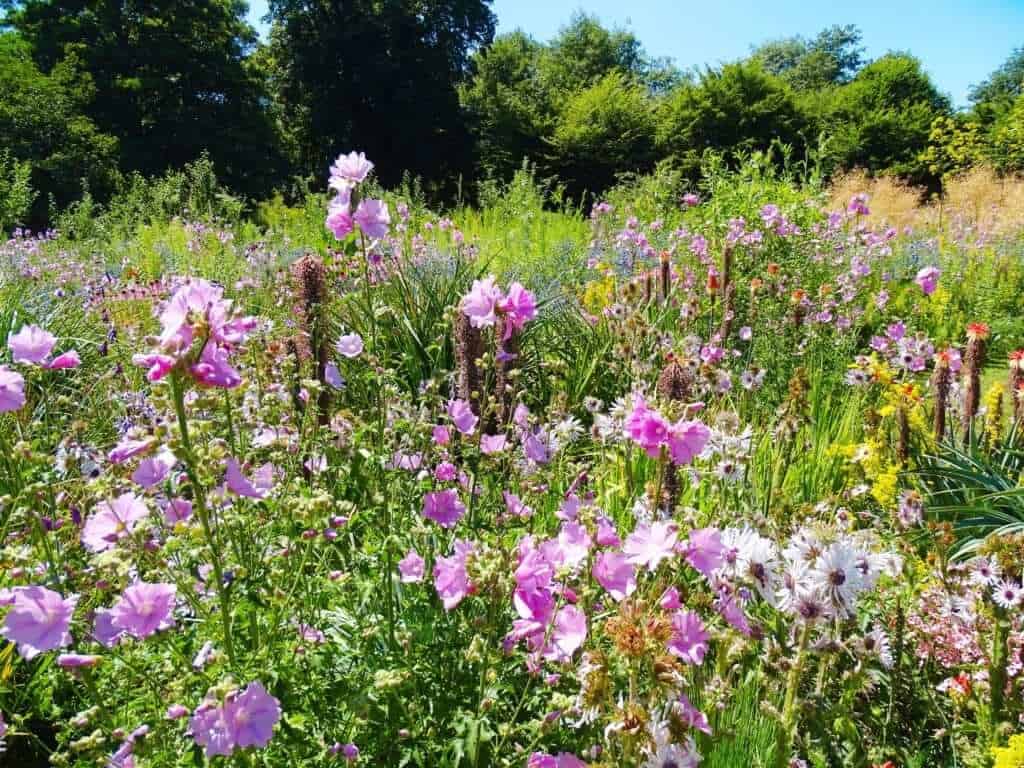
(602, 131)
(882, 119)
(995, 96)
(170, 76)
(833, 57)
(738, 108)
(380, 76)
(1008, 139)
(509, 113)
(43, 125)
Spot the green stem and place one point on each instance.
(202, 512)
(784, 737)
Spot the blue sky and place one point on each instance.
(959, 41)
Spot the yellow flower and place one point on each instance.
(1012, 755)
(884, 488)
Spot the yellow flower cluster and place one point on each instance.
(1012, 755)
(993, 402)
(598, 294)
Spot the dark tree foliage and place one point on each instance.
(738, 108)
(171, 80)
(380, 76)
(43, 122)
(882, 119)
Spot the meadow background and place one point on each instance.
(601, 414)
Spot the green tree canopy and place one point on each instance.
(737, 108)
(882, 119)
(171, 80)
(377, 76)
(832, 57)
(43, 123)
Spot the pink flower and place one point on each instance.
(689, 639)
(686, 439)
(350, 345)
(443, 507)
(441, 435)
(77, 660)
(561, 760)
(570, 630)
(259, 488)
(928, 279)
(515, 506)
(573, 544)
(615, 574)
(411, 567)
(705, 551)
(519, 306)
(103, 630)
(65, 361)
(176, 712)
(732, 612)
(349, 170)
(31, 345)
(373, 218)
(12, 390)
(480, 305)
(210, 730)
(112, 521)
(670, 600)
(128, 449)
(450, 577)
(158, 366)
(214, 370)
(339, 217)
(155, 470)
(38, 621)
(649, 544)
(647, 428)
(144, 609)
(607, 536)
(492, 443)
(177, 510)
(690, 716)
(245, 719)
(462, 416)
(252, 715)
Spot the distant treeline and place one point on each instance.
(97, 91)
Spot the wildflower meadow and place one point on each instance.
(721, 475)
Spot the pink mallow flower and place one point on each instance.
(38, 621)
(245, 719)
(31, 345)
(12, 390)
(260, 486)
(349, 170)
(450, 577)
(568, 634)
(462, 416)
(649, 544)
(144, 609)
(373, 218)
(411, 567)
(112, 521)
(482, 302)
(928, 279)
(616, 574)
(519, 307)
(339, 217)
(704, 551)
(443, 507)
(689, 639)
(350, 345)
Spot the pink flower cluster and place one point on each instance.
(198, 315)
(30, 346)
(683, 440)
(371, 216)
(485, 302)
(244, 719)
